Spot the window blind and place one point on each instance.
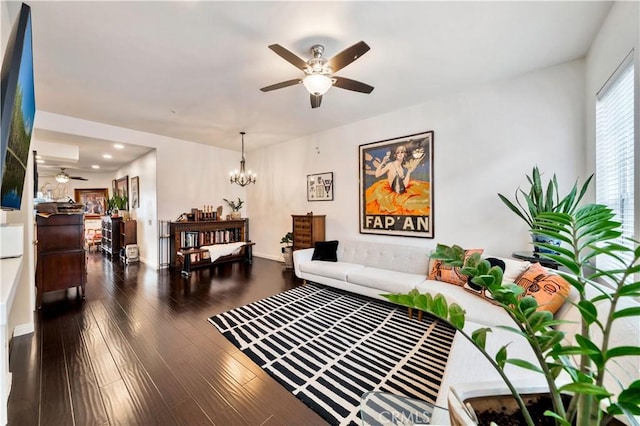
(614, 152)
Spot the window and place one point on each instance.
(615, 149)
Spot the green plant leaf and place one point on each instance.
(457, 315)
(586, 388)
(559, 420)
(501, 356)
(591, 349)
(628, 312)
(479, 337)
(623, 351)
(588, 311)
(524, 364)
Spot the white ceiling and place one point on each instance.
(193, 70)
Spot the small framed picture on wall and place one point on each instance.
(320, 187)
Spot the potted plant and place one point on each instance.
(117, 203)
(287, 250)
(235, 207)
(588, 231)
(542, 199)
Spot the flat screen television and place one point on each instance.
(18, 111)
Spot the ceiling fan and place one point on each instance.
(319, 71)
(63, 177)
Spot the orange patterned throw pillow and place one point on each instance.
(449, 274)
(549, 290)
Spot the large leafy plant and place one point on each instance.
(542, 198)
(588, 232)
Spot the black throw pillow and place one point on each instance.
(493, 262)
(325, 250)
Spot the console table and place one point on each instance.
(535, 258)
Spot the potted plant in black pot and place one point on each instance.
(287, 250)
(116, 203)
(585, 361)
(542, 198)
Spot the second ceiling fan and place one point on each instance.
(319, 71)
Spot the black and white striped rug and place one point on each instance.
(329, 347)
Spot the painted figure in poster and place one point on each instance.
(404, 190)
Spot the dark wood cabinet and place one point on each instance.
(111, 235)
(116, 234)
(61, 259)
(307, 229)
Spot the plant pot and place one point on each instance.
(486, 397)
(287, 254)
(235, 215)
(546, 240)
(492, 401)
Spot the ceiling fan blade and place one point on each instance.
(347, 56)
(316, 100)
(281, 85)
(356, 86)
(290, 57)
(78, 178)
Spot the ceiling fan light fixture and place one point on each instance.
(62, 177)
(317, 84)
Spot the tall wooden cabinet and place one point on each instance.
(117, 233)
(111, 235)
(61, 261)
(307, 229)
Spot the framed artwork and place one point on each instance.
(94, 201)
(135, 192)
(122, 189)
(320, 187)
(396, 186)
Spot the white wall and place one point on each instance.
(146, 214)
(486, 140)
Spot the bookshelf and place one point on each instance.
(186, 238)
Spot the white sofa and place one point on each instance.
(372, 269)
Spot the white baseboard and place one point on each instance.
(269, 256)
(23, 329)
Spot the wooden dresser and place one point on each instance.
(307, 229)
(61, 261)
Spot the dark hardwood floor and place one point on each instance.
(140, 351)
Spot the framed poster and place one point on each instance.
(122, 189)
(135, 192)
(320, 187)
(94, 201)
(396, 186)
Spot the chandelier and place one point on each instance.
(242, 178)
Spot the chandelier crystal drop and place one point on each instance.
(242, 177)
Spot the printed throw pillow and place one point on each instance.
(325, 250)
(449, 274)
(549, 290)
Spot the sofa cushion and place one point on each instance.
(335, 270)
(550, 290)
(384, 279)
(325, 250)
(513, 268)
(394, 257)
(450, 274)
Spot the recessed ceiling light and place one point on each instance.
(40, 161)
(107, 156)
(95, 166)
(118, 146)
